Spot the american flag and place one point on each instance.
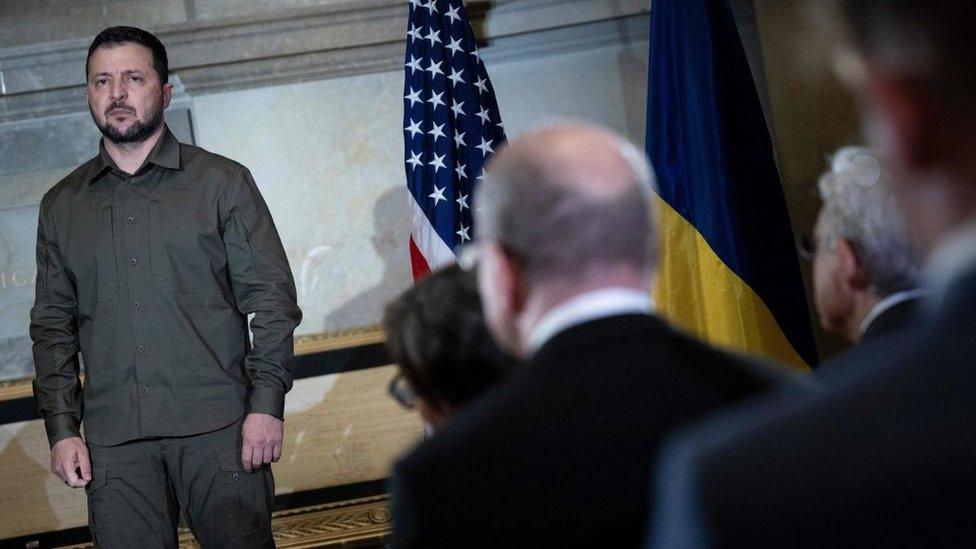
(451, 126)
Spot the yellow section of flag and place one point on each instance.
(698, 293)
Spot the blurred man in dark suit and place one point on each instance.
(560, 453)
(865, 269)
(885, 457)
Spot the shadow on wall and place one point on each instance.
(389, 242)
(346, 430)
(26, 505)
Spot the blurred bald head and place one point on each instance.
(568, 201)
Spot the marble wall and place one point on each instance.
(328, 157)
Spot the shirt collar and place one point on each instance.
(888, 303)
(585, 307)
(166, 154)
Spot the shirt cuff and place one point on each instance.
(266, 400)
(59, 427)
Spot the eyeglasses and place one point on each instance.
(401, 391)
(807, 245)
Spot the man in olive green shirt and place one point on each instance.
(150, 257)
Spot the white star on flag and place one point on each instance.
(436, 101)
(438, 162)
(435, 68)
(463, 202)
(460, 171)
(413, 128)
(414, 160)
(457, 108)
(431, 7)
(437, 132)
(481, 84)
(413, 97)
(438, 194)
(456, 76)
(485, 147)
(414, 33)
(434, 37)
(459, 139)
(413, 64)
(455, 46)
(464, 233)
(483, 115)
(453, 14)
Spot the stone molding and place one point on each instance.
(343, 38)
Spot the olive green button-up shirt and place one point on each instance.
(151, 277)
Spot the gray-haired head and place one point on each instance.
(569, 198)
(858, 206)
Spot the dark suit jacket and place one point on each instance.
(559, 456)
(883, 457)
(900, 316)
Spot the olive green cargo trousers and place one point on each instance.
(138, 489)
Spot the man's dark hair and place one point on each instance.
(116, 36)
(437, 334)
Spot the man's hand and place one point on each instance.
(262, 434)
(68, 457)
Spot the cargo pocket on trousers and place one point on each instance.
(97, 506)
(244, 501)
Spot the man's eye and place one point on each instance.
(137, 79)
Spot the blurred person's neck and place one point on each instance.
(547, 297)
(864, 303)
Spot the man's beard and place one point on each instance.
(138, 132)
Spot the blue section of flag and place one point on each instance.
(713, 157)
(451, 119)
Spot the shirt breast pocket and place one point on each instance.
(186, 251)
(92, 259)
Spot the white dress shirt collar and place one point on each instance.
(887, 303)
(585, 307)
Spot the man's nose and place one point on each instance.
(118, 91)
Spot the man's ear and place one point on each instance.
(901, 114)
(167, 94)
(853, 272)
(509, 279)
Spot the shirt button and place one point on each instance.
(135, 305)
(131, 219)
(145, 390)
(140, 348)
(133, 261)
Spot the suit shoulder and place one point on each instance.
(732, 370)
(462, 439)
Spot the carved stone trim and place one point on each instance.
(343, 38)
(352, 523)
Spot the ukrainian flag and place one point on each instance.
(729, 271)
